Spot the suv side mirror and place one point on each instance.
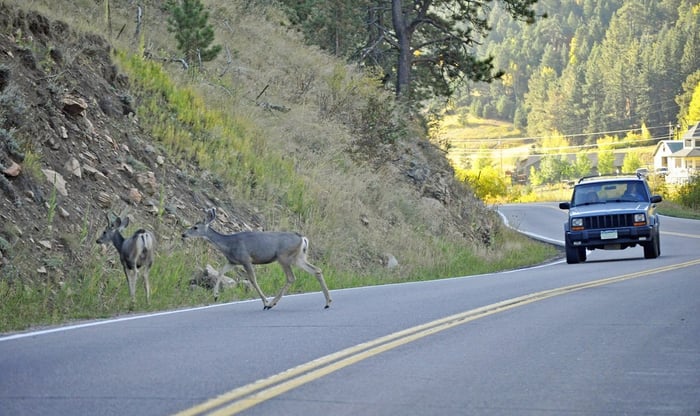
(656, 198)
(564, 205)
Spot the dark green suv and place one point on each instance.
(611, 213)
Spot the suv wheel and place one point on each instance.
(652, 249)
(575, 254)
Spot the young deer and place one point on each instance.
(257, 247)
(135, 253)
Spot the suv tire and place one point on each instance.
(652, 249)
(575, 254)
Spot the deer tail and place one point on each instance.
(304, 245)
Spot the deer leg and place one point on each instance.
(302, 263)
(131, 280)
(147, 285)
(219, 278)
(290, 279)
(253, 281)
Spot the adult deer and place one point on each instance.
(259, 247)
(135, 253)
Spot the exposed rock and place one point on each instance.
(126, 168)
(390, 261)
(57, 180)
(73, 105)
(105, 200)
(73, 167)
(417, 172)
(207, 279)
(53, 144)
(135, 196)
(364, 220)
(148, 182)
(13, 170)
(93, 173)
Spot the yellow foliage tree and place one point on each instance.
(694, 107)
(555, 143)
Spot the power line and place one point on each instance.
(535, 138)
(462, 150)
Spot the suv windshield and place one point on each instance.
(619, 191)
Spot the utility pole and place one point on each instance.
(500, 151)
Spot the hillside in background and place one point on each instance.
(593, 66)
(98, 116)
(581, 68)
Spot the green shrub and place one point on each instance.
(688, 195)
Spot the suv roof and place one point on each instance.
(606, 178)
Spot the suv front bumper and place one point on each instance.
(626, 237)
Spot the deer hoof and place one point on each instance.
(266, 307)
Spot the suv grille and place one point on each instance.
(608, 221)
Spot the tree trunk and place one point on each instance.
(403, 74)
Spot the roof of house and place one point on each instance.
(688, 151)
(673, 145)
(677, 147)
(693, 131)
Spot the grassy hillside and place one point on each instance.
(276, 135)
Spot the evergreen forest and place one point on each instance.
(580, 68)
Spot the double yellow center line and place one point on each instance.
(250, 395)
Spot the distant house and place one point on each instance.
(681, 158)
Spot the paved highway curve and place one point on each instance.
(617, 334)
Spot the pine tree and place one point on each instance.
(194, 35)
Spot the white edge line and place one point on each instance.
(112, 321)
(529, 234)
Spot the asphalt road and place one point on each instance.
(615, 335)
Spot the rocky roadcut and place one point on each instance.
(72, 147)
(63, 99)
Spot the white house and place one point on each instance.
(680, 157)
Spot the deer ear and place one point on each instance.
(124, 222)
(211, 215)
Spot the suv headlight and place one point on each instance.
(640, 219)
(577, 224)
